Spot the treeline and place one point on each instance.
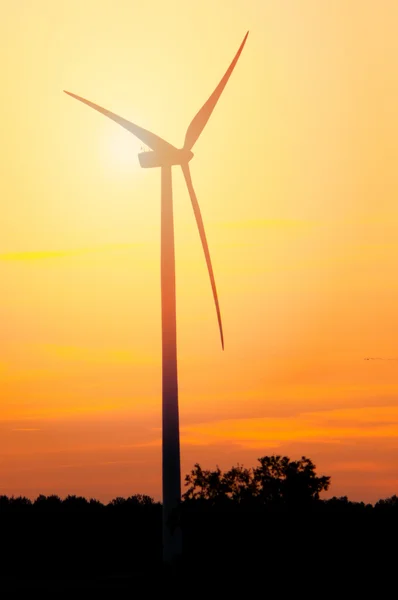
(267, 518)
(275, 483)
(73, 503)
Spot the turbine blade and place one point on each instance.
(150, 139)
(199, 222)
(199, 121)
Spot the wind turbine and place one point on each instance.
(165, 155)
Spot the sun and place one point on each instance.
(120, 150)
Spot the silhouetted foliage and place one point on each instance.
(285, 482)
(48, 503)
(138, 500)
(241, 520)
(20, 503)
(388, 504)
(343, 505)
(75, 503)
(277, 482)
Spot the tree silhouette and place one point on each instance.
(47, 503)
(206, 485)
(241, 484)
(277, 482)
(387, 504)
(75, 503)
(282, 482)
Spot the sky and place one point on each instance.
(296, 177)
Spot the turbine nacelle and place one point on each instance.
(169, 157)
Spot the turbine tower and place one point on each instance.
(164, 155)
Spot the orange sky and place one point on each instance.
(296, 177)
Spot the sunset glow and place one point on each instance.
(297, 182)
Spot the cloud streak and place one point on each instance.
(270, 223)
(99, 355)
(321, 427)
(24, 429)
(34, 255)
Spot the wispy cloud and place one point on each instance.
(34, 255)
(98, 355)
(152, 443)
(316, 427)
(270, 224)
(26, 429)
(110, 463)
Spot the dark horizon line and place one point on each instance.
(146, 500)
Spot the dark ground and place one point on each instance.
(223, 552)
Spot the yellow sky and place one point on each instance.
(297, 181)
